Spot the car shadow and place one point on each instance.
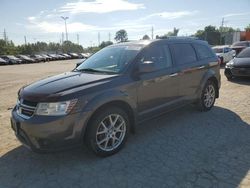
(184, 148)
(241, 80)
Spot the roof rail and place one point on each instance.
(176, 37)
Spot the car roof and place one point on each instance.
(221, 46)
(167, 40)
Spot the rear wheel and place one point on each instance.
(107, 131)
(208, 96)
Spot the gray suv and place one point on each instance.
(100, 102)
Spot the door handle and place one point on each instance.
(173, 74)
(201, 67)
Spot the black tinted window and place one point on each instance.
(244, 53)
(203, 51)
(159, 55)
(183, 53)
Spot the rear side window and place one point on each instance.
(203, 51)
(183, 53)
(160, 55)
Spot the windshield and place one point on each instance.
(244, 53)
(111, 59)
(218, 50)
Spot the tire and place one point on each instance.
(229, 77)
(103, 138)
(208, 96)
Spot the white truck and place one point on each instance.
(225, 53)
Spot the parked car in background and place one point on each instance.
(239, 66)
(26, 59)
(38, 58)
(53, 56)
(47, 58)
(67, 56)
(61, 57)
(224, 53)
(74, 55)
(83, 55)
(3, 62)
(12, 60)
(101, 100)
(240, 45)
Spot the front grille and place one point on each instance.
(29, 103)
(26, 109)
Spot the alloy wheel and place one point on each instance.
(111, 132)
(209, 96)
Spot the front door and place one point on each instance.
(160, 87)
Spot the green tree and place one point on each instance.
(145, 37)
(7, 48)
(68, 47)
(247, 28)
(174, 33)
(211, 34)
(105, 43)
(121, 36)
(226, 29)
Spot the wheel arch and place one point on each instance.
(115, 103)
(215, 81)
(210, 75)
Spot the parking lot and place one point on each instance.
(184, 148)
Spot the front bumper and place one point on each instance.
(232, 71)
(49, 133)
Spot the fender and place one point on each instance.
(110, 96)
(209, 74)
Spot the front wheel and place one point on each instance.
(229, 77)
(107, 131)
(208, 96)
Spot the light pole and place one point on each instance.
(66, 32)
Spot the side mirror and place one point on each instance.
(147, 66)
(77, 64)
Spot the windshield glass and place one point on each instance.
(218, 50)
(111, 59)
(244, 53)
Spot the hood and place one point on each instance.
(241, 62)
(56, 86)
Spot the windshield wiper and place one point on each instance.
(92, 70)
(88, 70)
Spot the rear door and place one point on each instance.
(158, 88)
(190, 69)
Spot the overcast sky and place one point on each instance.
(41, 20)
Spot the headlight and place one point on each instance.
(55, 109)
(230, 63)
